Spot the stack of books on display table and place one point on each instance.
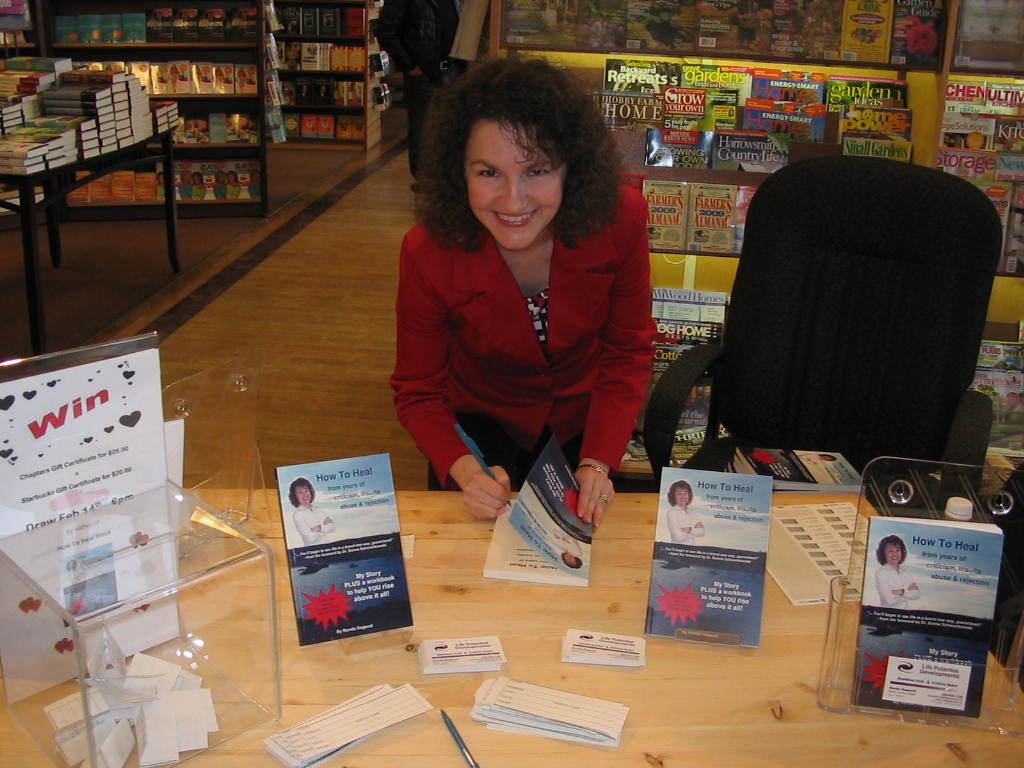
(78, 114)
(28, 149)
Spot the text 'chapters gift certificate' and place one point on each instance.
(76, 435)
(707, 573)
(926, 614)
(344, 550)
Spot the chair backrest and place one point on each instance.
(858, 307)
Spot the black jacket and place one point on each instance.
(418, 33)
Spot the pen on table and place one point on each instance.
(474, 449)
(458, 741)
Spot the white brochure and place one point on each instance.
(513, 705)
(342, 726)
(583, 647)
(464, 654)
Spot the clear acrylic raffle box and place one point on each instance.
(140, 633)
(953, 612)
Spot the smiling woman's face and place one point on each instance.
(893, 554)
(514, 194)
(682, 497)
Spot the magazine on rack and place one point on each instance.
(541, 539)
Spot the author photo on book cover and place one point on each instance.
(896, 586)
(314, 526)
(524, 300)
(684, 525)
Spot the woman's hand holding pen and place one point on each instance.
(484, 497)
(596, 490)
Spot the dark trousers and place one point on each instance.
(420, 92)
(501, 450)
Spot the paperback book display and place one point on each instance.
(708, 566)
(344, 549)
(541, 539)
(812, 471)
(926, 618)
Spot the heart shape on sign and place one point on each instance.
(6, 402)
(138, 539)
(128, 374)
(131, 419)
(108, 430)
(64, 644)
(30, 604)
(29, 395)
(6, 452)
(86, 439)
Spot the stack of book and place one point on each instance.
(165, 115)
(85, 130)
(16, 82)
(29, 150)
(11, 113)
(56, 64)
(94, 101)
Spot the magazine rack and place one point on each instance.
(219, 407)
(908, 488)
(160, 579)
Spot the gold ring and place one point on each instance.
(604, 497)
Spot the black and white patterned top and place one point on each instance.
(537, 305)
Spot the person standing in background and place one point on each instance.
(418, 36)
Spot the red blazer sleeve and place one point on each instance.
(627, 340)
(420, 378)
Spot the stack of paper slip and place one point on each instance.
(581, 647)
(466, 654)
(342, 726)
(512, 705)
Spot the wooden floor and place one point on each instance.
(319, 311)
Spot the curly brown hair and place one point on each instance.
(548, 111)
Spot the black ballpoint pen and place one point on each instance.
(458, 741)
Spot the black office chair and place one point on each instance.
(855, 320)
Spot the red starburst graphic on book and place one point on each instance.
(762, 457)
(874, 671)
(682, 605)
(328, 607)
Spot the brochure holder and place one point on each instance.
(159, 596)
(218, 408)
(908, 488)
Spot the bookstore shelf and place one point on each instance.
(174, 43)
(325, 50)
(585, 38)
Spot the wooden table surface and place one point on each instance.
(692, 705)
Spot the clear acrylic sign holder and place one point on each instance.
(908, 488)
(218, 408)
(168, 625)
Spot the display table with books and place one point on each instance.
(691, 704)
(57, 183)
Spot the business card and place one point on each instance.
(464, 654)
(584, 647)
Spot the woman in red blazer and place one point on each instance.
(524, 292)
